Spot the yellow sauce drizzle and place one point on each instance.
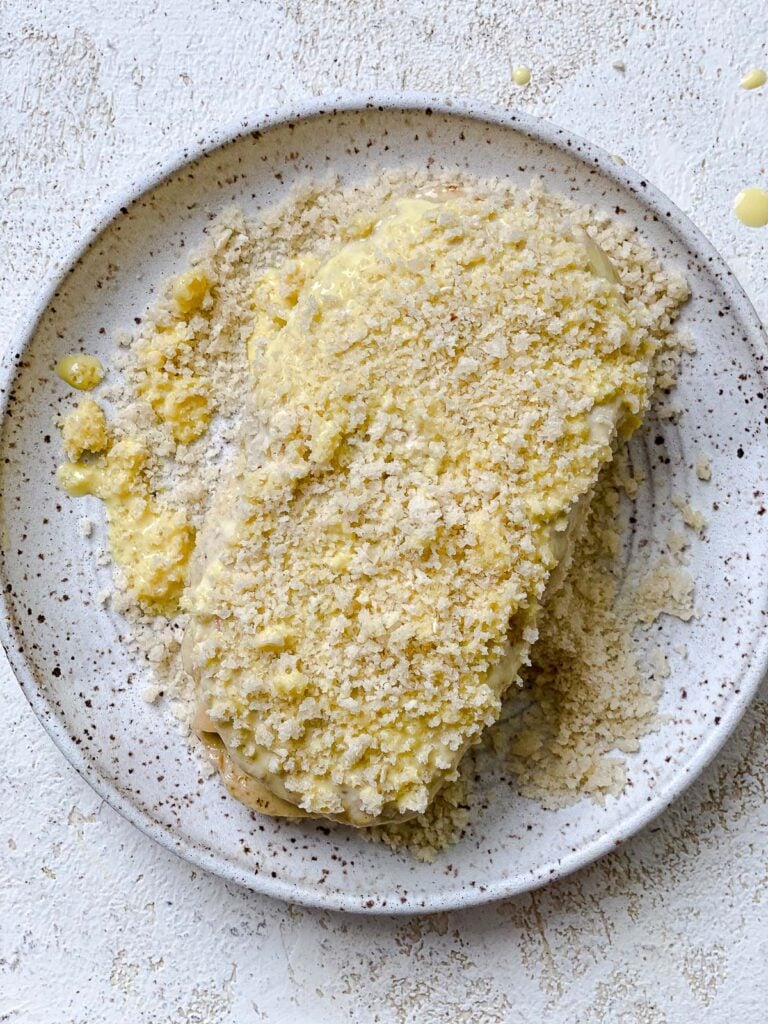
(80, 371)
(751, 207)
(754, 79)
(151, 542)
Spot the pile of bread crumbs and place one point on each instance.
(589, 697)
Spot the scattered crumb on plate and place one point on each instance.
(691, 516)
(703, 467)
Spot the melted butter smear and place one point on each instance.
(150, 541)
(754, 79)
(80, 371)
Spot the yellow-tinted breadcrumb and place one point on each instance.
(85, 429)
(178, 396)
(167, 371)
(441, 824)
(427, 408)
(189, 290)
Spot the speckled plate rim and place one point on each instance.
(538, 130)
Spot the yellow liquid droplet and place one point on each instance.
(754, 79)
(751, 207)
(81, 372)
(521, 75)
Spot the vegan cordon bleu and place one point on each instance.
(430, 408)
(428, 396)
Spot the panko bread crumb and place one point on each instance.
(703, 467)
(85, 429)
(588, 697)
(592, 697)
(189, 356)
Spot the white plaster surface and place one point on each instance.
(97, 924)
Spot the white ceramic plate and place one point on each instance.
(66, 650)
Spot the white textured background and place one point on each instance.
(97, 924)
